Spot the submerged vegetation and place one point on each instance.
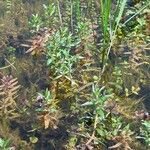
(74, 75)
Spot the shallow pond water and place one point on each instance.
(33, 76)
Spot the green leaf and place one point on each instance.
(49, 61)
(1, 142)
(101, 132)
(33, 139)
(101, 114)
(87, 104)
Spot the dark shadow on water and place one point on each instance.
(144, 94)
(48, 139)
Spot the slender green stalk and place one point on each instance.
(136, 13)
(71, 18)
(118, 18)
(75, 13)
(59, 12)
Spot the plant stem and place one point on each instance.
(136, 14)
(93, 134)
(59, 12)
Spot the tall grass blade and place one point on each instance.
(121, 7)
(105, 9)
(105, 6)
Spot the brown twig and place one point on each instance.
(93, 134)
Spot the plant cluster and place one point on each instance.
(86, 60)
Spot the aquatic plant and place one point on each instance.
(107, 121)
(59, 56)
(144, 132)
(48, 19)
(8, 91)
(48, 109)
(4, 144)
(110, 26)
(89, 60)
